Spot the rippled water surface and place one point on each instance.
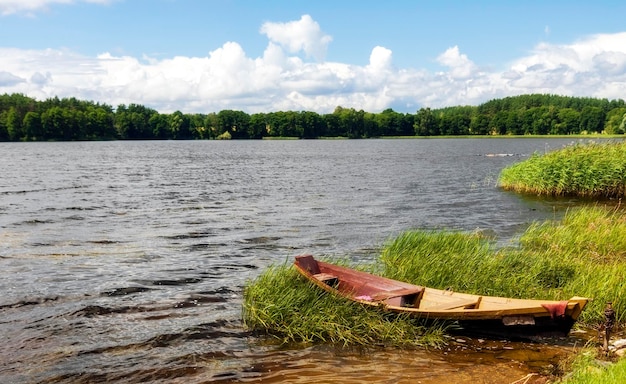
(125, 261)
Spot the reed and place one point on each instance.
(282, 304)
(591, 241)
(582, 255)
(586, 170)
(434, 258)
(588, 369)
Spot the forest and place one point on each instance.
(25, 119)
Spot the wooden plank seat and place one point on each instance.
(397, 292)
(323, 277)
(470, 303)
(402, 297)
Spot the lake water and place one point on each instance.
(126, 261)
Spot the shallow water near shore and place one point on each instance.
(126, 261)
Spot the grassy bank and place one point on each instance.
(588, 369)
(591, 170)
(582, 255)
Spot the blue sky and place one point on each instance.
(260, 56)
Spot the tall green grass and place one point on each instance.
(591, 170)
(587, 369)
(592, 241)
(435, 258)
(283, 304)
(583, 255)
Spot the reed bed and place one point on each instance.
(582, 255)
(594, 170)
(282, 304)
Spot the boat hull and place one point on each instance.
(543, 327)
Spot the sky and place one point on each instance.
(203, 56)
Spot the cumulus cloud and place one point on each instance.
(283, 79)
(594, 66)
(301, 35)
(380, 59)
(460, 66)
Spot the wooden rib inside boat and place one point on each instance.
(489, 315)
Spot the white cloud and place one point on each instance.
(228, 78)
(594, 66)
(460, 66)
(8, 7)
(380, 59)
(304, 34)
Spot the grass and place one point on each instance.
(284, 305)
(594, 170)
(434, 258)
(582, 255)
(587, 368)
(281, 138)
(592, 241)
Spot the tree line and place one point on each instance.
(25, 119)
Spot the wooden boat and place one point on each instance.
(476, 314)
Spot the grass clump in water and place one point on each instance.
(284, 305)
(595, 170)
(587, 368)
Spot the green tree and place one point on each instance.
(33, 129)
(197, 127)
(258, 126)
(622, 126)
(179, 126)
(390, 123)
(350, 122)
(455, 120)
(133, 122)
(211, 126)
(100, 123)
(4, 133)
(498, 125)
(160, 124)
(54, 120)
(425, 123)
(332, 125)
(568, 121)
(371, 127)
(614, 121)
(313, 125)
(592, 119)
(14, 125)
(479, 124)
(234, 122)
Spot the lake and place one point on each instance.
(126, 261)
